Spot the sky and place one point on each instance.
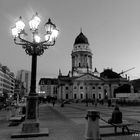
(111, 26)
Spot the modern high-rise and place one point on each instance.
(25, 77)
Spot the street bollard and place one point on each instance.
(92, 127)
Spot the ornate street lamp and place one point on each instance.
(33, 48)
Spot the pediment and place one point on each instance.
(88, 77)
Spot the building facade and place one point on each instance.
(82, 82)
(7, 81)
(25, 77)
(48, 87)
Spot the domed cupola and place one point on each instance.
(81, 39)
(81, 55)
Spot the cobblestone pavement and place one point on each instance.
(60, 127)
(66, 123)
(77, 113)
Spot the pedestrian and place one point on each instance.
(24, 110)
(109, 102)
(53, 102)
(116, 116)
(62, 104)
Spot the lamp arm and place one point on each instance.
(46, 46)
(25, 41)
(18, 43)
(52, 43)
(44, 42)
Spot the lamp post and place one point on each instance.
(33, 48)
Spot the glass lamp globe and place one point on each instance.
(49, 26)
(47, 37)
(20, 25)
(54, 33)
(15, 32)
(37, 38)
(34, 22)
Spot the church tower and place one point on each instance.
(81, 56)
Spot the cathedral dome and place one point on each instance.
(81, 39)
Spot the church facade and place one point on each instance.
(82, 82)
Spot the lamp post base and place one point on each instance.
(43, 132)
(30, 127)
(31, 124)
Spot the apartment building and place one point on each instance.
(7, 81)
(48, 86)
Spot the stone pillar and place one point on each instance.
(96, 91)
(92, 127)
(110, 91)
(82, 61)
(91, 62)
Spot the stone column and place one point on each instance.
(92, 127)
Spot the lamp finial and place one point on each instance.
(81, 29)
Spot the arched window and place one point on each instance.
(99, 96)
(75, 96)
(93, 96)
(67, 96)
